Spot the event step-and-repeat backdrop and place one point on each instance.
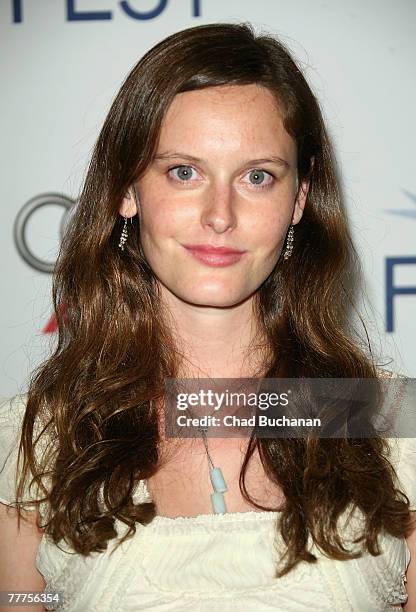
(62, 61)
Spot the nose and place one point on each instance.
(218, 211)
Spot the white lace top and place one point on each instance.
(212, 562)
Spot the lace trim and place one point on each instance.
(385, 575)
(164, 522)
(65, 571)
(397, 592)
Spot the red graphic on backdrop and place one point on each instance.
(52, 324)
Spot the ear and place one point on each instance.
(129, 205)
(301, 196)
(300, 201)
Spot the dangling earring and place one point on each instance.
(289, 243)
(124, 234)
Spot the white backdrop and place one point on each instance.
(62, 62)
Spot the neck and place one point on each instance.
(215, 342)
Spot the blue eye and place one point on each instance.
(184, 173)
(257, 177)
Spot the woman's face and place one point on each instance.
(223, 175)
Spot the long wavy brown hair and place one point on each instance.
(93, 396)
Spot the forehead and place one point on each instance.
(230, 116)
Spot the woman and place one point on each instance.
(209, 242)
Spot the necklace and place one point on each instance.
(217, 479)
(216, 476)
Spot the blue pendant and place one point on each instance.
(218, 503)
(217, 480)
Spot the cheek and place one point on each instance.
(157, 220)
(268, 232)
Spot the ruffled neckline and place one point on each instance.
(249, 515)
(142, 493)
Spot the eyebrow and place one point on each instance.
(274, 159)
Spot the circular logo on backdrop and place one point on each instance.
(24, 242)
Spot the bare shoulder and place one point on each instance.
(18, 549)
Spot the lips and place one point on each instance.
(210, 248)
(216, 256)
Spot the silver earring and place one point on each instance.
(124, 234)
(289, 243)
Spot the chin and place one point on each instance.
(213, 299)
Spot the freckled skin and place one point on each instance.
(219, 202)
